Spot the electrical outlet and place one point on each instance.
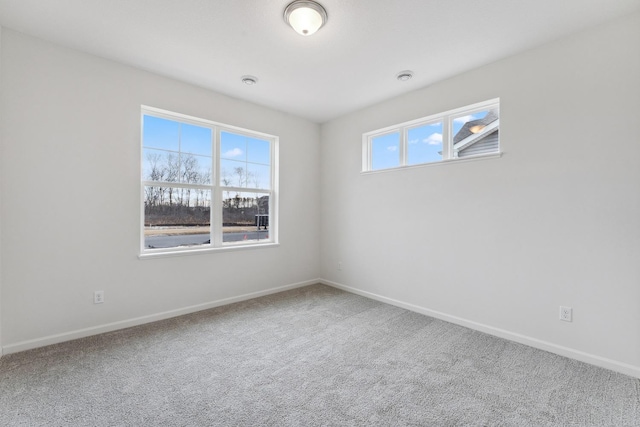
(340, 265)
(566, 313)
(98, 297)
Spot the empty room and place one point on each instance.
(319, 213)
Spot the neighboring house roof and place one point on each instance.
(484, 140)
(465, 132)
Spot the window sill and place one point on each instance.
(200, 251)
(442, 162)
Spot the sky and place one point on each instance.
(165, 137)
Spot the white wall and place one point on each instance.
(70, 212)
(1, 156)
(500, 244)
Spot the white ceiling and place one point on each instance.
(349, 64)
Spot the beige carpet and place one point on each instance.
(308, 357)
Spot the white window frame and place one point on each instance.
(448, 152)
(217, 189)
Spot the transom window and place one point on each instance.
(467, 132)
(205, 185)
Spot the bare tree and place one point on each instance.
(155, 172)
(225, 180)
(241, 175)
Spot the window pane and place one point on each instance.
(460, 122)
(476, 133)
(385, 151)
(245, 161)
(424, 144)
(233, 173)
(195, 140)
(259, 176)
(258, 151)
(247, 175)
(245, 216)
(175, 217)
(161, 133)
(152, 165)
(158, 165)
(195, 169)
(233, 146)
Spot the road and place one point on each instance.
(199, 239)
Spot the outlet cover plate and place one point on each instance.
(566, 313)
(98, 297)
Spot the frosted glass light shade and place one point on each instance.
(305, 17)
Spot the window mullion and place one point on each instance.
(216, 218)
(176, 185)
(216, 208)
(246, 189)
(179, 177)
(447, 139)
(403, 146)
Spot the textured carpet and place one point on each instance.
(308, 357)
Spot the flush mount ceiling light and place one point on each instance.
(405, 75)
(305, 16)
(249, 80)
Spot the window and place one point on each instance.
(205, 185)
(467, 132)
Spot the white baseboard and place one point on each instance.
(602, 362)
(109, 327)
